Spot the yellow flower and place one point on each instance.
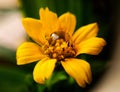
(56, 42)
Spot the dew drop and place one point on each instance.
(55, 36)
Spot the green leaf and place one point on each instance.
(56, 77)
(41, 88)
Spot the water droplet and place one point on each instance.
(55, 36)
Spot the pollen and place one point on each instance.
(60, 48)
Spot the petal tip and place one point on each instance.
(95, 24)
(46, 8)
(19, 62)
(25, 19)
(38, 80)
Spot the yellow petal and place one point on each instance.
(85, 33)
(67, 22)
(28, 52)
(79, 70)
(91, 46)
(49, 20)
(43, 70)
(33, 28)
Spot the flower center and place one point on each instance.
(60, 47)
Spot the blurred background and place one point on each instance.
(105, 66)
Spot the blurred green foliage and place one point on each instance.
(82, 9)
(12, 80)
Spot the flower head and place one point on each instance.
(56, 42)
